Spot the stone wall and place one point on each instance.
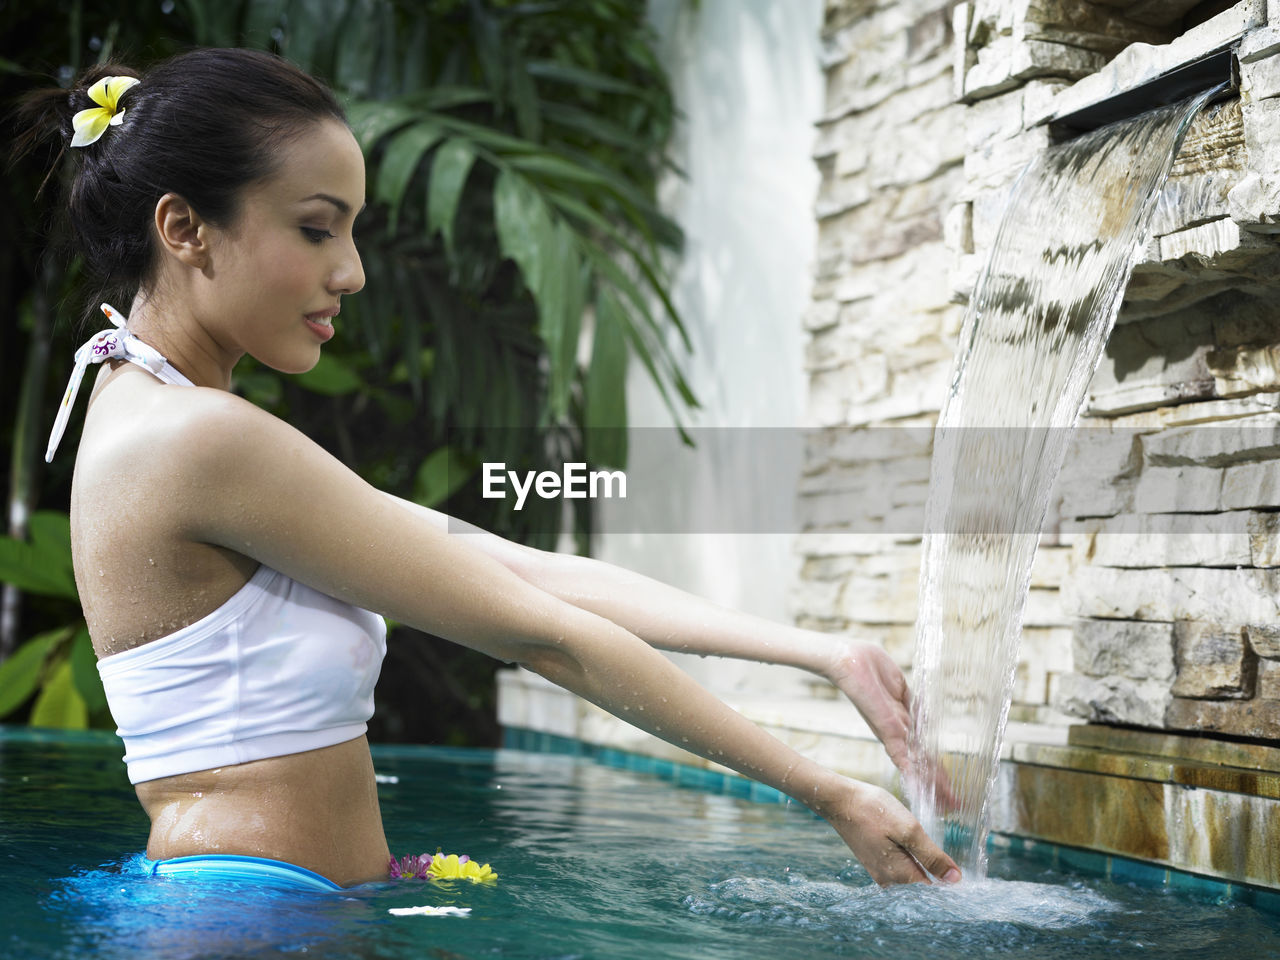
(882, 321)
(896, 239)
(1154, 597)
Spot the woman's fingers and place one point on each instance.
(896, 867)
(876, 687)
(930, 856)
(887, 840)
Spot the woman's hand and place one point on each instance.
(866, 675)
(884, 836)
(870, 679)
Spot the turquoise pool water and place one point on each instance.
(594, 862)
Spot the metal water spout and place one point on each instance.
(1220, 68)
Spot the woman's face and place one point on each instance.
(279, 270)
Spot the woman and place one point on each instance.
(227, 564)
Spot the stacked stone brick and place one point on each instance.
(882, 323)
(1156, 594)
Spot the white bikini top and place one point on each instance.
(279, 668)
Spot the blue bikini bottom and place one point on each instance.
(255, 870)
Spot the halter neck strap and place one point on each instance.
(117, 344)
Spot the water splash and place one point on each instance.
(1031, 340)
(797, 900)
(971, 919)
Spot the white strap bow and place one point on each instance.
(118, 344)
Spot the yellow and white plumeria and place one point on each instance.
(90, 124)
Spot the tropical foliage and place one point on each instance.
(512, 246)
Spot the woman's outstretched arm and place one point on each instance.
(259, 487)
(671, 619)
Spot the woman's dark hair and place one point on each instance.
(203, 124)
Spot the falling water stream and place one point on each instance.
(1032, 338)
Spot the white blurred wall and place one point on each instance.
(748, 83)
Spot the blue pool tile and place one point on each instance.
(1266, 901)
(612, 758)
(1004, 843)
(515, 738)
(764, 794)
(1088, 862)
(1204, 888)
(1024, 848)
(664, 768)
(691, 777)
(1138, 873)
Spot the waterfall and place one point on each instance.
(1036, 325)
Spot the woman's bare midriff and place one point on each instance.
(317, 809)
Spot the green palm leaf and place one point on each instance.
(403, 155)
(448, 178)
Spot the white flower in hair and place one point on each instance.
(90, 124)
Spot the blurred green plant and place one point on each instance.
(56, 666)
(513, 248)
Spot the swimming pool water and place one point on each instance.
(593, 862)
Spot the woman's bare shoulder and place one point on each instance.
(137, 420)
(174, 453)
(135, 499)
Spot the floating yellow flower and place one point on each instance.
(90, 124)
(454, 867)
